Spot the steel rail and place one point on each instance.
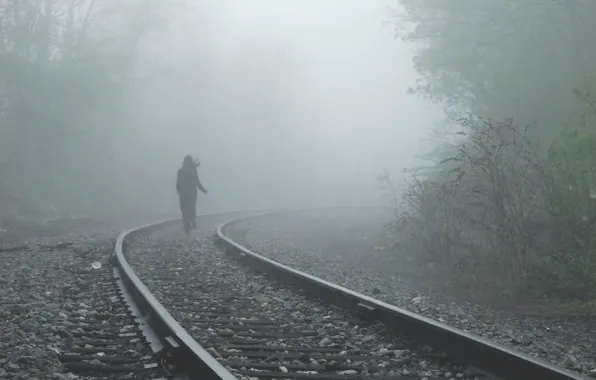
(190, 359)
(495, 359)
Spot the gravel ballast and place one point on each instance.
(34, 305)
(46, 284)
(195, 281)
(346, 247)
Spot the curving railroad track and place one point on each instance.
(209, 308)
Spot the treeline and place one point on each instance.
(508, 204)
(100, 101)
(69, 70)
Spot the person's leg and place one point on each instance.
(193, 212)
(185, 213)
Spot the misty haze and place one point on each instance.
(285, 104)
(441, 155)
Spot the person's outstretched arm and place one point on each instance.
(200, 185)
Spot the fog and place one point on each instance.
(303, 103)
(299, 104)
(285, 104)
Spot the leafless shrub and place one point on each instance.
(504, 217)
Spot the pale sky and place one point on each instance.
(350, 116)
(353, 56)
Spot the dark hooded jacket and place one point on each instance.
(187, 180)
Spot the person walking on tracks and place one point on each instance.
(187, 183)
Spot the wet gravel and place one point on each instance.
(198, 278)
(35, 283)
(346, 248)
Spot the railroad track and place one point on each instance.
(105, 334)
(214, 317)
(112, 333)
